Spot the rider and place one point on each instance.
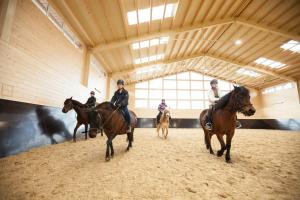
(120, 99)
(214, 96)
(162, 106)
(91, 102)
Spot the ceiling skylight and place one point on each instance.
(269, 63)
(291, 45)
(149, 59)
(248, 72)
(143, 15)
(149, 43)
(149, 69)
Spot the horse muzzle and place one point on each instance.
(63, 110)
(250, 111)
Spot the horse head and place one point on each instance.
(68, 105)
(242, 101)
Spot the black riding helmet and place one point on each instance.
(214, 81)
(92, 92)
(120, 82)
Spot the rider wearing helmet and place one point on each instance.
(91, 102)
(120, 99)
(213, 97)
(162, 106)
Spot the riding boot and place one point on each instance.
(128, 129)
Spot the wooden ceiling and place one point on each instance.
(202, 37)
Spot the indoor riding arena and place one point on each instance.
(149, 99)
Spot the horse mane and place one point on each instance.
(77, 103)
(223, 101)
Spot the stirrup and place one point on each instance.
(238, 124)
(208, 126)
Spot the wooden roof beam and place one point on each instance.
(118, 43)
(267, 28)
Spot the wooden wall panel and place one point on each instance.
(39, 65)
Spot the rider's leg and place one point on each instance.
(208, 119)
(127, 118)
(158, 117)
(238, 124)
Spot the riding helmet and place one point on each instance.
(92, 92)
(214, 81)
(120, 82)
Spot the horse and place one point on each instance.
(224, 118)
(164, 123)
(82, 115)
(113, 123)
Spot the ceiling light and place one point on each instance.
(238, 42)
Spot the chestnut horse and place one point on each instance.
(82, 115)
(164, 123)
(224, 118)
(113, 123)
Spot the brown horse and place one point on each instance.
(113, 123)
(164, 123)
(82, 115)
(224, 118)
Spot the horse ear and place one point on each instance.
(71, 97)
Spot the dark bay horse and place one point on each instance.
(113, 123)
(224, 118)
(82, 114)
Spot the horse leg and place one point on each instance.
(167, 132)
(208, 141)
(157, 129)
(223, 148)
(228, 147)
(101, 132)
(112, 152)
(107, 158)
(129, 141)
(86, 130)
(75, 130)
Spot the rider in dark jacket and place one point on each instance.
(91, 102)
(120, 99)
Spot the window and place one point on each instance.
(157, 13)
(248, 72)
(181, 91)
(269, 63)
(52, 15)
(150, 43)
(291, 45)
(149, 59)
(276, 88)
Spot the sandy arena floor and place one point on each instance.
(266, 165)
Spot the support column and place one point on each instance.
(85, 66)
(7, 15)
(298, 88)
(108, 86)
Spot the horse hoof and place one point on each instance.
(219, 154)
(127, 149)
(228, 160)
(211, 152)
(107, 159)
